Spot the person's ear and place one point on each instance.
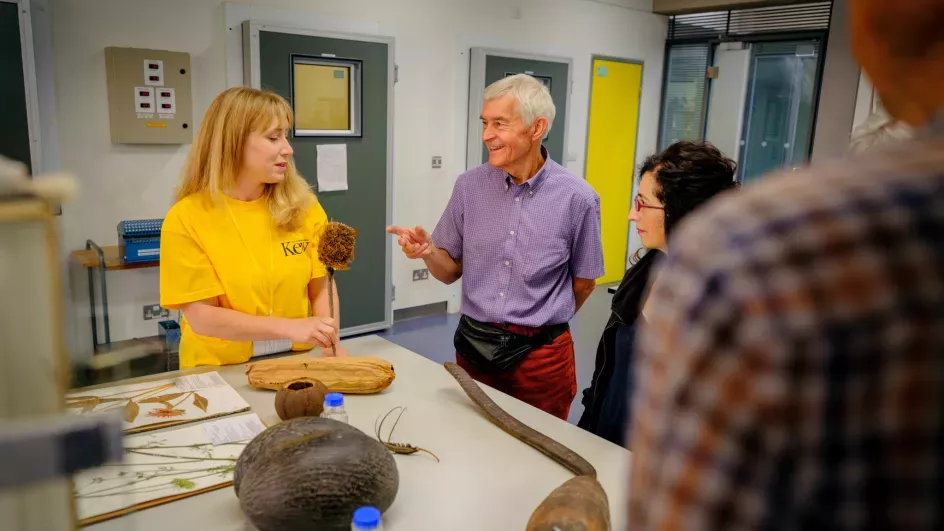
(539, 129)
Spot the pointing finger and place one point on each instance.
(399, 231)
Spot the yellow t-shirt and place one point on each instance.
(234, 251)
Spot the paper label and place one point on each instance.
(233, 429)
(332, 167)
(195, 382)
(274, 346)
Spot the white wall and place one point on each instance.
(432, 42)
(728, 94)
(837, 97)
(866, 100)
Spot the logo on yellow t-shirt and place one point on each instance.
(294, 248)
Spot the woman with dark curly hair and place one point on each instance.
(673, 184)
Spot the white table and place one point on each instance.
(486, 480)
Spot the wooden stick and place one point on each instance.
(517, 429)
(334, 348)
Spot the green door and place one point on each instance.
(364, 290)
(551, 73)
(14, 124)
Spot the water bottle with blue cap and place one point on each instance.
(334, 407)
(366, 519)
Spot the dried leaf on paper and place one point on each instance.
(162, 398)
(200, 402)
(131, 411)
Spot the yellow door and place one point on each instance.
(611, 153)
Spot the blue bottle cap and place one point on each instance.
(367, 518)
(334, 399)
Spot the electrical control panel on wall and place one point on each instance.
(149, 97)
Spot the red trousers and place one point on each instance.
(546, 378)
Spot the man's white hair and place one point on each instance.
(533, 99)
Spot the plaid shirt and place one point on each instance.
(791, 371)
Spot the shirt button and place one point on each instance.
(507, 263)
(512, 233)
(502, 294)
(517, 199)
(530, 193)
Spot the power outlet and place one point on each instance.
(420, 274)
(154, 311)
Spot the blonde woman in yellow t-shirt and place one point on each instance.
(239, 245)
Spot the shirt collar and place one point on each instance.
(534, 183)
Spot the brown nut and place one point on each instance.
(303, 397)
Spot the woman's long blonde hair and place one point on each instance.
(217, 154)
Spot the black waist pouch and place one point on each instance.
(490, 348)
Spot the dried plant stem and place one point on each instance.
(194, 446)
(334, 348)
(153, 488)
(155, 389)
(181, 401)
(151, 391)
(172, 473)
(147, 464)
(140, 452)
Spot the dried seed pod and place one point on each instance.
(349, 375)
(580, 504)
(303, 397)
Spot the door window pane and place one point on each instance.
(779, 114)
(683, 108)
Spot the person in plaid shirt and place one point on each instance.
(792, 366)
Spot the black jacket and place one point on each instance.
(625, 309)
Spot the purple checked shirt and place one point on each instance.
(522, 246)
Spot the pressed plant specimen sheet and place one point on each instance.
(161, 467)
(161, 403)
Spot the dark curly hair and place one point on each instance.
(688, 174)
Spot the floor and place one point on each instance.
(432, 337)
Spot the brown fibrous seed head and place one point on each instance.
(336, 245)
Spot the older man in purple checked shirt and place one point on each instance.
(524, 234)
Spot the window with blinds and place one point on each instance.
(684, 99)
(690, 41)
(729, 25)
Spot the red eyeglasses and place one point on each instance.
(640, 206)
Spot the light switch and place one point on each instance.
(437, 162)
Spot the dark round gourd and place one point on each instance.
(301, 398)
(312, 473)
